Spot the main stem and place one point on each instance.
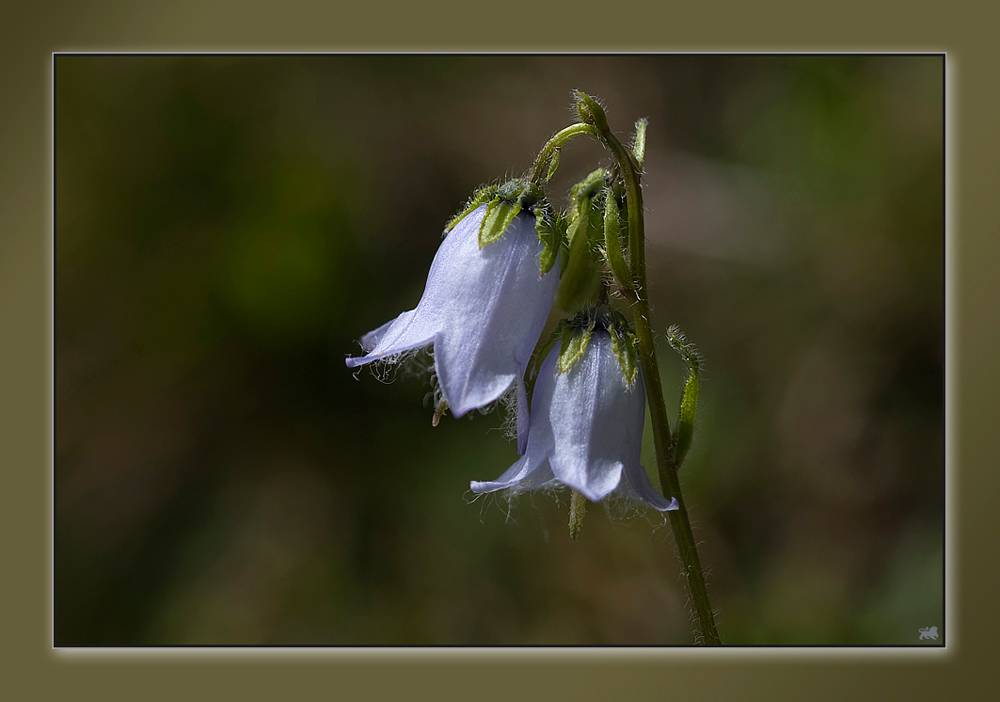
(662, 439)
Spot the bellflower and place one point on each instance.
(483, 308)
(586, 425)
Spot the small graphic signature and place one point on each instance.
(928, 632)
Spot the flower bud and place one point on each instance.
(684, 431)
(581, 281)
(590, 111)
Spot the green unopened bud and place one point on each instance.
(590, 111)
(580, 284)
(613, 242)
(639, 142)
(684, 432)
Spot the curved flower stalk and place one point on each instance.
(586, 427)
(483, 309)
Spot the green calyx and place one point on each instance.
(499, 214)
(482, 196)
(572, 343)
(507, 201)
(575, 334)
(551, 228)
(623, 343)
(684, 431)
(503, 203)
(581, 279)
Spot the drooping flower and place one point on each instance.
(586, 424)
(488, 294)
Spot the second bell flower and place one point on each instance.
(586, 428)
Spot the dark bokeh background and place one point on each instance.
(227, 227)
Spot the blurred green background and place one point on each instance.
(228, 227)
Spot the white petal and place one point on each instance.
(532, 470)
(596, 421)
(420, 326)
(523, 475)
(636, 486)
(522, 414)
(498, 304)
(407, 331)
(370, 340)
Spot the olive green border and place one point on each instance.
(32, 33)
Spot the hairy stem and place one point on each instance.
(636, 290)
(539, 170)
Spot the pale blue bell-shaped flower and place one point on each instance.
(586, 431)
(483, 309)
